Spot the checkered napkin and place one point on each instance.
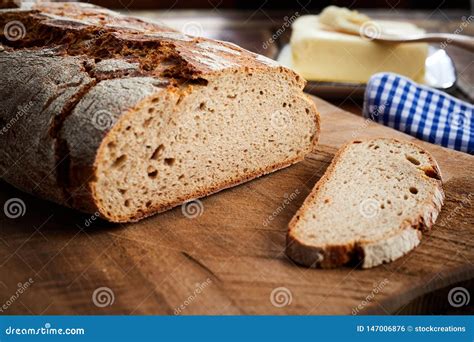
(420, 111)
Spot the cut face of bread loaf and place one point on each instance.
(219, 135)
(370, 207)
(128, 118)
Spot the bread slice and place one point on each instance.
(371, 206)
(117, 115)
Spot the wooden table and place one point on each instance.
(226, 261)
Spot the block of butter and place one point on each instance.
(329, 48)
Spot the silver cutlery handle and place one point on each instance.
(462, 41)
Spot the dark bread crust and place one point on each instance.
(78, 59)
(84, 29)
(339, 255)
(29, 147)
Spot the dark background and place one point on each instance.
(281, 4)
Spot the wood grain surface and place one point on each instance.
(229, 259)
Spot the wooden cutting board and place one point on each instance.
(230, 259)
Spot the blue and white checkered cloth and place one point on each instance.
(420, 111)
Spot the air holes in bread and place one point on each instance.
(147, 122)
(413, 160)
(158, 152)
(430, 172)
(169, 161)
(119, 161)
(374, 146)
(152, 172)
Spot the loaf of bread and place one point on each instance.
(369, 208)
(126, 117)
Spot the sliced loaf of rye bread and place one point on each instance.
(370, 206)
(125, 117)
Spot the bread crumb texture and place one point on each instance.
(369, 208)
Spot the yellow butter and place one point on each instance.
(321, 52)
(343, 19)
